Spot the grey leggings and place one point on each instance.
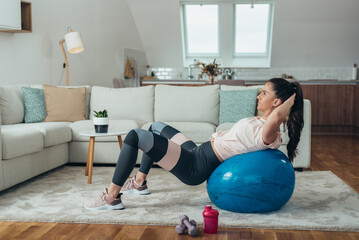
(171, 150)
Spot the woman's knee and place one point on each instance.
(140, 138)
(157, 127)
(131, 138)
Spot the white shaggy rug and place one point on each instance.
(321, 201)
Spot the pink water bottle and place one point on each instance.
(210, 216)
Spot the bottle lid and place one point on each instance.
(209, 212)
(355, 65)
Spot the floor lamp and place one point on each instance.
(73, 44)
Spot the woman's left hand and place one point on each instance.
(274, 120)
(290, 101)
(283, 110)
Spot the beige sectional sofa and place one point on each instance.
(29, 149)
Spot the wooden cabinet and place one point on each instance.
(10, 15)
(332, 105)
(356, 106)
(17, 12)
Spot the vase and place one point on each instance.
(101, 124)
(211, 79)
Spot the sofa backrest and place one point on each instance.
(124, 103)
(12, 104)
(187, 104)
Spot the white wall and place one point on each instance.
(306, 33)
(159, 26)
(318, 33)
(36, 58)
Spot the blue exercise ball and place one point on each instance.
(254, 182)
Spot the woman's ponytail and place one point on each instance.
(283, 90)
(295, 121)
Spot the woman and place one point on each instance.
(193, 164)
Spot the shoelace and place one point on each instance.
(129, 183)
(102, 196)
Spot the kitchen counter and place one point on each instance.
(173, 81)
(255, 82)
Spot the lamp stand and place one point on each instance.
(66, 62)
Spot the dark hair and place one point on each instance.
(283, 90)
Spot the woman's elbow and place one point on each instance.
(267, 140)
(278, 116)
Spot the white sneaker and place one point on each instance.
(104, 202)
(132, 187)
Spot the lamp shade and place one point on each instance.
(74, 42)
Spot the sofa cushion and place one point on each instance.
(64, 104)
(235, 105)
(35, 109)
(12, 104)
(187, 104)
(88, 94)
(54, 133)
(198, 132)
(124, 103)
(114, 125)
(18, 141)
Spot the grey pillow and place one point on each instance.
(35, 108)
(236, 105)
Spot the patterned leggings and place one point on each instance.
(171, 150)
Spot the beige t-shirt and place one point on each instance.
(245, 136)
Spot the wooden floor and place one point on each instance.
(337, 153)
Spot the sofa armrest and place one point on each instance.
(1, 168)
(304, 146)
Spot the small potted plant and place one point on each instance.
(101, 121)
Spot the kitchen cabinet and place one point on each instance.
(332, 105)
(10, 15)
(15, 16)
(356, 106)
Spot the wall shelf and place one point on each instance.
(26, 19)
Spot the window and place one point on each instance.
(252, 29)
(200, 25)
(236, 33)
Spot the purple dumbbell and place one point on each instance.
(192, 228)
(181, 229)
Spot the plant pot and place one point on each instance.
(101, 124)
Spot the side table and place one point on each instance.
(90, 154)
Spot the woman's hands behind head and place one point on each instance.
(283, 110)
(290, 101)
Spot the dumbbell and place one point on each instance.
(192, 228)
(181, 229)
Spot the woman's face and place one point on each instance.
(267, 101)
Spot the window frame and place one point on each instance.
(269, 31)
(185, 37)
(226, 53)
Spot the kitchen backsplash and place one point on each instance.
(338, 73)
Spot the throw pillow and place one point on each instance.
(235, 105)
(259, 113)
(64, 104)
(34, 100)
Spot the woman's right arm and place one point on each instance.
(274, 120)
